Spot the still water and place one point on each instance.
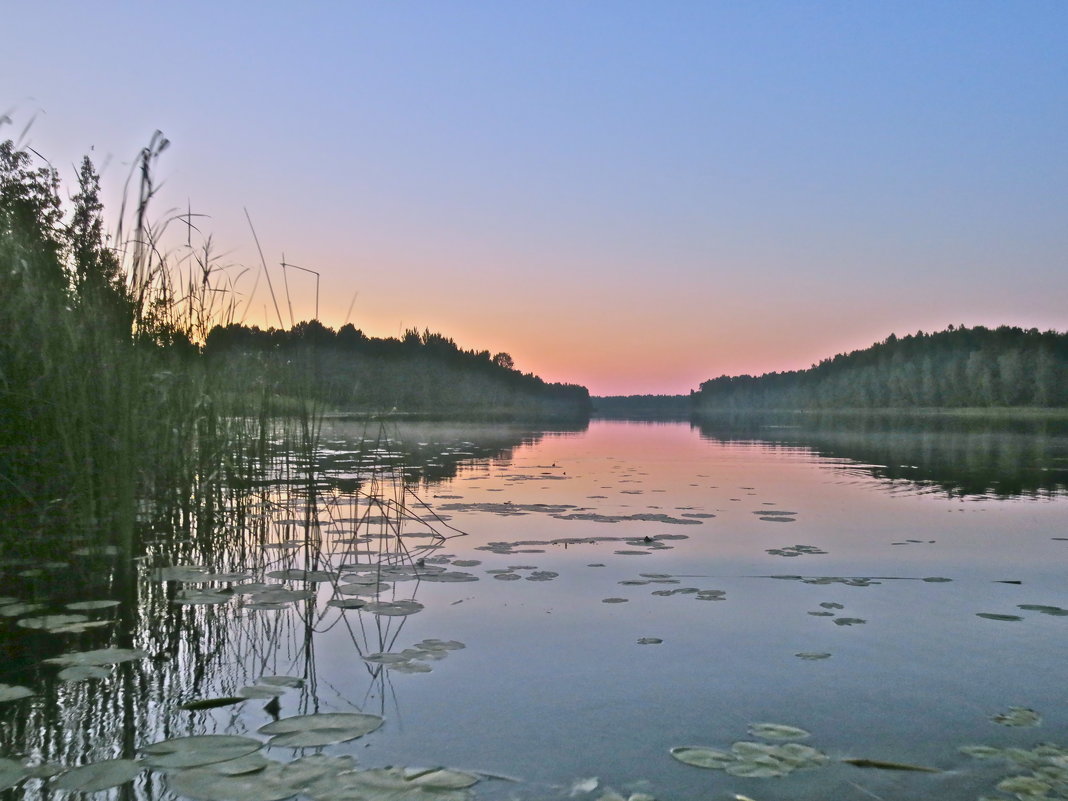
(578, 603)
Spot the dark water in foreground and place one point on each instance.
(888, 593)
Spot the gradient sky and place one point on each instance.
(634, 196)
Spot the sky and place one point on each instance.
(632, 196)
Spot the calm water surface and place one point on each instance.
(737, 552)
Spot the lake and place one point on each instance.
(555, 611)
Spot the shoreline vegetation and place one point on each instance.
(127, 381)
(128, 385)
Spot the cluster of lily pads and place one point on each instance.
(1037, 773)
(1053, 611)
(757, 760)
(73, 621)
(414, 659)
(218, 767)
(796, 550)
(826, 608)
(646, 544)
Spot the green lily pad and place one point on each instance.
(11, 773)
(322, 729)
(281, 681)
(83, 672)
(993, 616)
(1018, 716)
(811, 656)
(98, 775)
(198, 750)
(393, 608)
(268, 783)
(777, 731)
(101, 656)
(51, 622)
(91, 606)
(13, 692)
(701, 757)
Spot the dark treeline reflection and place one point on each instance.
(961, 456)
(427, 452)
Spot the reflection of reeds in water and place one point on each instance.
(293, 530)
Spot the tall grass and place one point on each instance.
(108, 410)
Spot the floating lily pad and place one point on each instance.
(201, 598)
(90, 606)
(393, 608)
(268, 783)
(993, 616)
(261, 691)
(16, 609)
(302, 575)
(322, 729)
(849, 621)
(83, 672)
(51, 622)
(182, 573)
(11, 773)
(1018, 716)
(13, 692)
(282, 681)
(812, 655)
(198, 750)
(649, 641)
(614, 600)
(1056, 611)
(98, 776)
(777, 731)
(102, 656)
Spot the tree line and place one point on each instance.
(421, 372)
(955, 368)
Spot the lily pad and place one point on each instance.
(13, 692)
(701, 757)
(322, 729)
(51, 622)
(1018, 716)
(101, 656)
(11, 773)
(83, 672)
(393, 608)
(269, 782)
(98, 775)
(777, 731)
(993, 616)
(89, 606)
(198, 750)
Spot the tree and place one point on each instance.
(98, 281)
(504, 360)
(30, 215)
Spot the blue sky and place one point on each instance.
(632, 196)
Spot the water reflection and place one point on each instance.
(962, 457)
(217, 620)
